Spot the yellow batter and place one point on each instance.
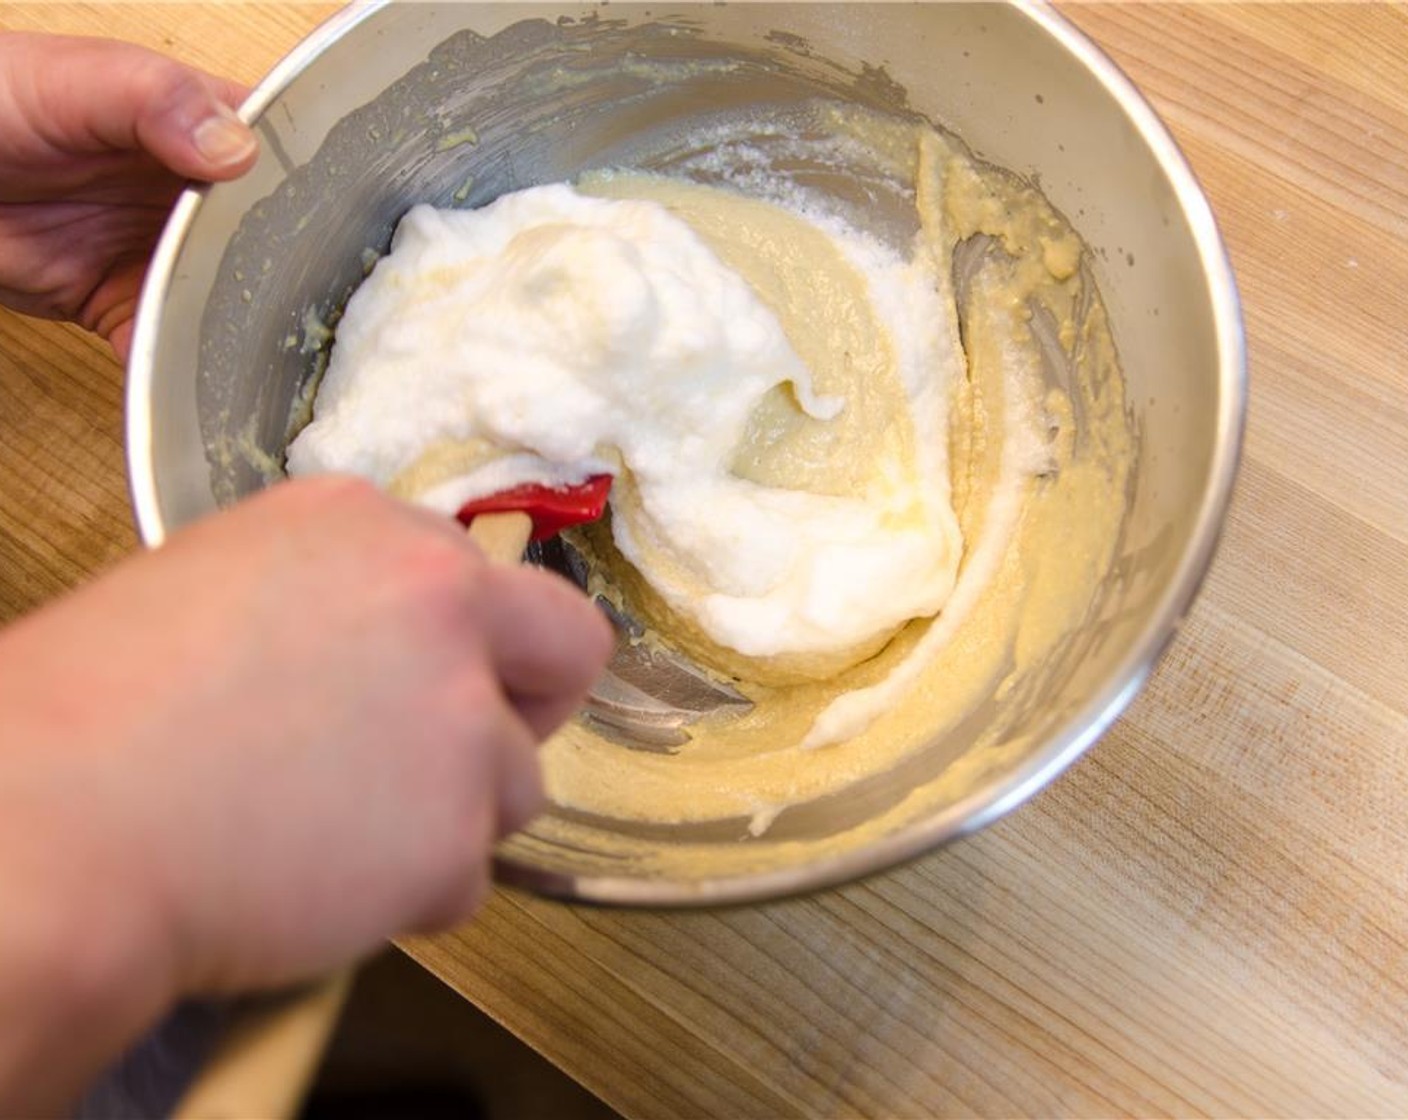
(1040, 509)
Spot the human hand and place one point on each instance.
(97, 138)
(292, 731)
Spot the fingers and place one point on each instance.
(515, 785)
(519, 784)
(544, 641)
(539, 640)
(548, 643)
(120, 339)
(94, 95)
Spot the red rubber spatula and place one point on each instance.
(502, 524)
(266, 1061)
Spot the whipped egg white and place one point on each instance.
(552, 335)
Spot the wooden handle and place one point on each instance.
(502, 536)
(265, 1062)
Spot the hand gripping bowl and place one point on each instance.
(386, 106)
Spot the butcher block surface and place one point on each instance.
(1209, 913)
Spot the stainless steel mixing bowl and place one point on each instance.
(390, 105)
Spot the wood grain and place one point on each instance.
(1209, 915)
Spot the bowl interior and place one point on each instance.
(456, 104)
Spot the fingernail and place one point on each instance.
(223, 140)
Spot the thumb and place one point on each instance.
(99, 95)
(181, 121)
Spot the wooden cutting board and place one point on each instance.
(1209, 914)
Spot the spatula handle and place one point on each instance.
(502, 536)
(265, 1061)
